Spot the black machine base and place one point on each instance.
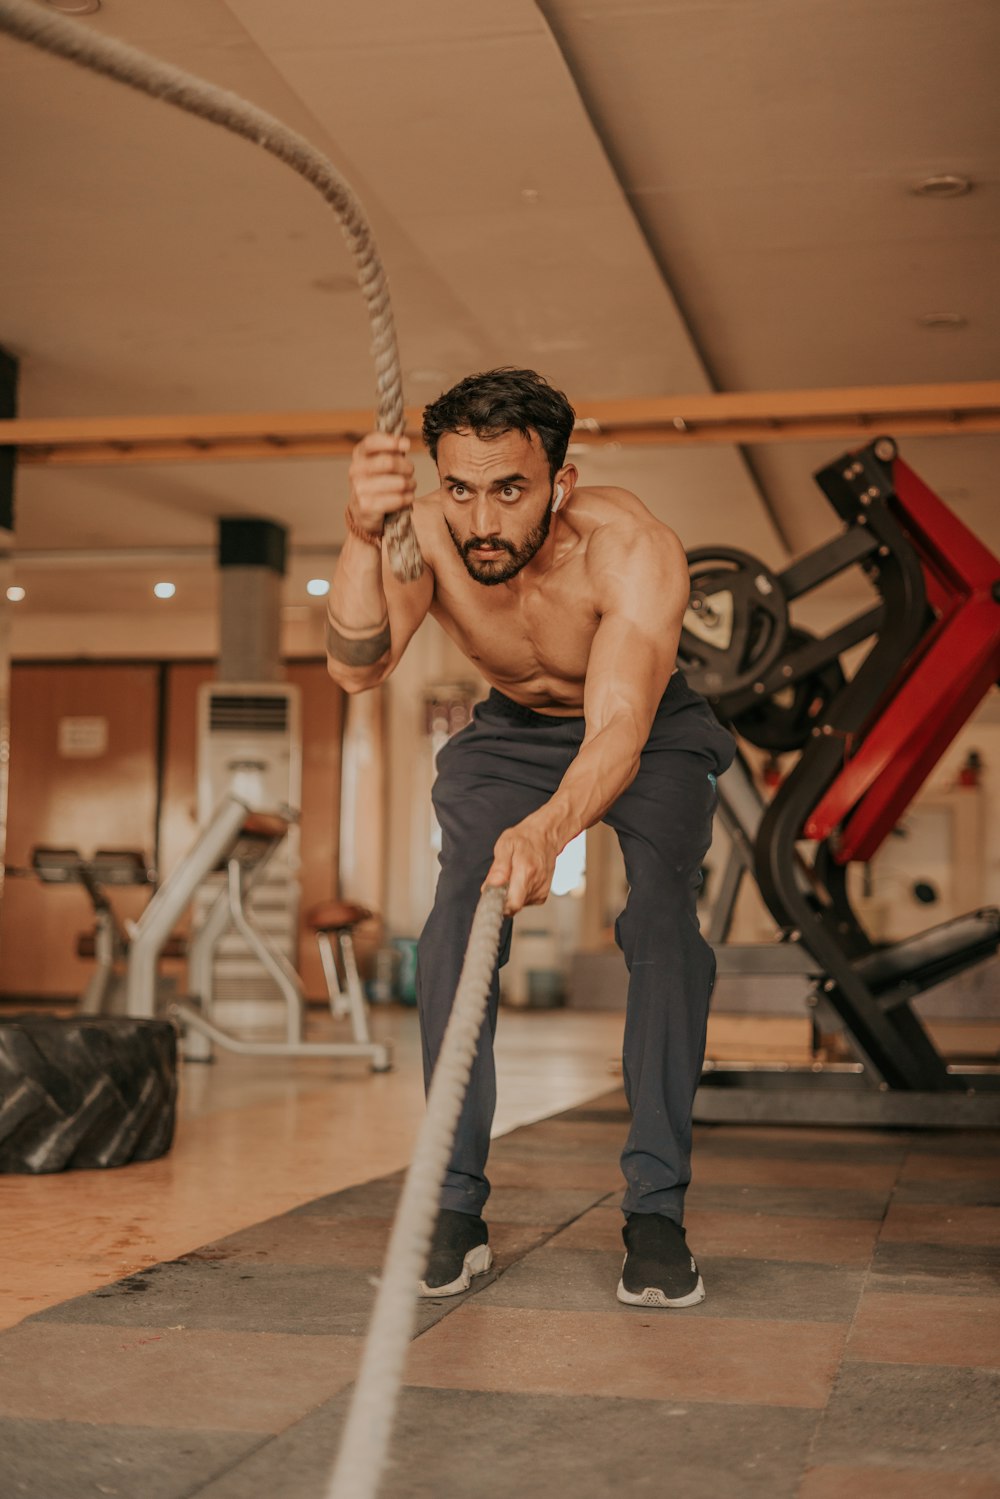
(842, 1095)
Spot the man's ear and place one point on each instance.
(563, 485)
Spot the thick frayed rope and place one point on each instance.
(365, 1441)
(30, 22)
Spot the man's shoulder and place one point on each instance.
(631, 554)
(618, 518)
(610, 498)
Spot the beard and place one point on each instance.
(509, 558)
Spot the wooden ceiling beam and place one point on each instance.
(669, 421)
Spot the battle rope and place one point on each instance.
(365, 1440)
(30, 22)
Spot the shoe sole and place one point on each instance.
(653, 1296)
(650, 1296)
(476, 1262)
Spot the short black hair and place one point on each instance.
(503, 400)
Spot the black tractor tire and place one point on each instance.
(85, 1093)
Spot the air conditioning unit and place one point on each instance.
(250, 744)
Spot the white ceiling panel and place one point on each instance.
(770, 149)
(481, 145)
(782, 317)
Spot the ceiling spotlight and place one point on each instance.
(74, 7)
(318, 587)
(942, 320)
(164, 590)
(943, 185)
(15, 594)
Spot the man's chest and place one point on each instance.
(548, 630)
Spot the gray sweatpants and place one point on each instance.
(502, 767)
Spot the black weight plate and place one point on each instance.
(736, 625)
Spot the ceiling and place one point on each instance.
(637, 198)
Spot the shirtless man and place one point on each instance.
(569, 601)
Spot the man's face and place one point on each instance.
(498, 501)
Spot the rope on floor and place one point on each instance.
(30, 22)
(365, 1441)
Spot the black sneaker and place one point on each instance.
(659, 1269)
(458, 1252)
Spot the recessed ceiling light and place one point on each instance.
(943, 185)
(15, 594)
(164, 590)
(74, 7)
(318, 587)
(942, 320)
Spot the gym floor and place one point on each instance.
(192, 1324)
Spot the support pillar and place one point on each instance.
(251, 567)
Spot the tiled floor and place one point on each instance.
(849, 1347)
(257, 1137)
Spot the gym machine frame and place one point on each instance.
(258, 839)
(870, 744)
(108, 941)
(239, 842)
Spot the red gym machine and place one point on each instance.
(868, 745)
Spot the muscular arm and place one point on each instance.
(370, 616)
(643, 588)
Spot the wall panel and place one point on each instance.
(72, 800)
(110, 800)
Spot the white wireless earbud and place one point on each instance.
(557, 501)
